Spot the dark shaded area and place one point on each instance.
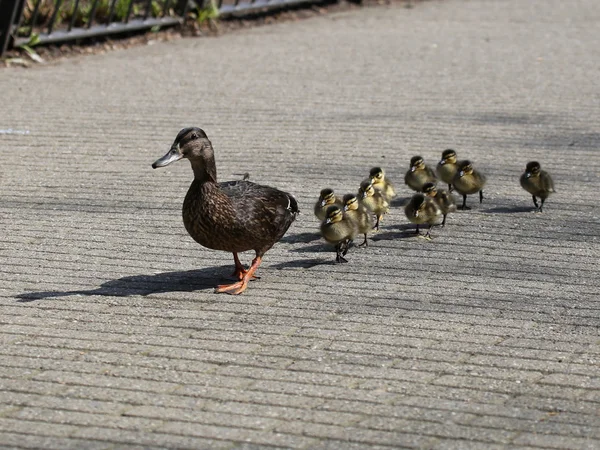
(187, 281)
(509, 209)
(301, 238)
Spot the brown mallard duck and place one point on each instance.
(537, 182)
(447, 167)
(233, 216)
(339, 231)
(381, 183)
(357, 213)
(422, 209)
(327, 198)
(418, 174)
(468, 181)
(443, 198)
(373, 200)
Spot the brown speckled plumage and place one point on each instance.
(233, 216)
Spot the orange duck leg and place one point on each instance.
(245, 276)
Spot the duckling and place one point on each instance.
(338, 230)
(537, 182)
(357, 213)
(443, 198)
(447, 167)
(418, 174)
(468, 181)
(423, 209)
(381, 183)
(233, 216)
(373, 200)
(327, 198)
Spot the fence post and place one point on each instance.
(8, 13)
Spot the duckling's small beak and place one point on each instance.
(323, 203)
(413, 168)
(328, 220)
(461, 173)
(172, 155)
(416, 213)
(442, 162)
(345, 208)
(527, 174)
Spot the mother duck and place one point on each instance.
(234, 216)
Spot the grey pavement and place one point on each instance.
(486, 337)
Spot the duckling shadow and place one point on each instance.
(401, 232)
(509, 209)
(187, 281)
(305, 263)
(399, 201)
(302, 238)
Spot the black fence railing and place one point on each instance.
(51, 21)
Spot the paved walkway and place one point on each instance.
(487, 337)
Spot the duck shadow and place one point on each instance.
(509, 209)
(400, 201)
(305, 263)
(186, 281)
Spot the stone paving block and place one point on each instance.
(553, 441)
(15, 440)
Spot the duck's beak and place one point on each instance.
(413, 168)
(323, 203)
(461, 173)
(527, 174)
(172, 155)
(442, 162)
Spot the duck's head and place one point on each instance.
(366, 189)
(417, 204)
(376, 174)
(532, 169)
(430, 189)
(448, 157)
(350, 202)
(190, 143)
(334, 214)
(327, 197)
(416, 162)
(465, 169)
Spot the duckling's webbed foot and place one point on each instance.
(365, 242)
(481, 196)
(450, 188)
(340, 251)
(464, 204)
(542, 205)
(535, 201)
(417, 229)
(240, 286)
(444, 220)
(376, 226)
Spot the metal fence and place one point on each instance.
(52, 21)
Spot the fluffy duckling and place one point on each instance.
(423, 209)
(381, 183)
(448, 167)
(373, 200)
(419, 174)
(357, 213)
(233, 216)
(443, 198)
(338, 230)
(468, 181)
(537, 182)
(327, 198)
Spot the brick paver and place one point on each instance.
(487, 337)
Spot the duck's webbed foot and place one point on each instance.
(240, 271)
(240, 286)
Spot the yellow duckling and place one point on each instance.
(537, 182)
(357, 213)
(468, 181)
(448, 167)
(339, 231)
(381, 183)
(373, 200)
(422, 209)
(444, 199)
(418, 174)
(327, 198)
